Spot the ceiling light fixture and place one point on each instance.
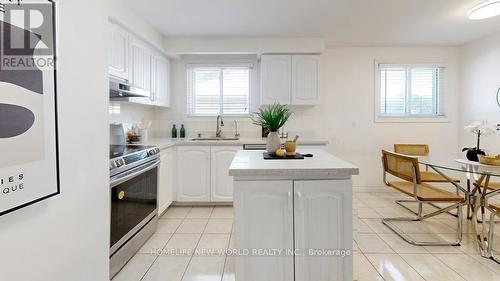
(484, 10)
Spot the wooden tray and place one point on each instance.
(269, 156)
(490, 160)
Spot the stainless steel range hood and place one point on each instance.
(119, 91)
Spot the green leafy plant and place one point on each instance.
(271, 117)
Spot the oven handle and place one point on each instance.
(142, 169)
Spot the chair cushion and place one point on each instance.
(426, 192)
(426, 176)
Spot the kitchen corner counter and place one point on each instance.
(323, 165)
(164, 143)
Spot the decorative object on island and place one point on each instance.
(174, 132)
(291, 146)
(272, 117)
(479, 129)
(183, 131)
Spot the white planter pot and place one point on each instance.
(273, 142)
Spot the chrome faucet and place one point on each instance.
(236, 134)
(218, 132)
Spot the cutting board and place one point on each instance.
(269, 156)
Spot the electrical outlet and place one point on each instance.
(498, 127)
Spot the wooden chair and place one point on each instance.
(420, 150)
(426, 176)
(407, 169)
(495, 211)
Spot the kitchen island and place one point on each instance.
(293, 218)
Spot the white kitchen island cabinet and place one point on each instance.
(294, 217)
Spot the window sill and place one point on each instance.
(411, 119)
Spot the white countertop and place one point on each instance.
(323, 165)
(163, 143)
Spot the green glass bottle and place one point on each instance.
(174, 132)
(183, 131)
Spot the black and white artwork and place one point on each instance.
(29, 167)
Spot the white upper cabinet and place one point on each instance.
(276, 77)
(160, 82)
(222, 183)
(305, 79)
(140, 64)
(118, 47)
(290, 79)
(193, 167)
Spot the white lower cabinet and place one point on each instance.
(193, 171)
(303, 217)
(166, 179)
(266, 209)
(221, 183)
(321, 209)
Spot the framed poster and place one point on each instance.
(29, 164)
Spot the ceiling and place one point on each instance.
(339, 22)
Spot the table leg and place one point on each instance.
(469, 215)
(480, 238)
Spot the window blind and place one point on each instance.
(410, 91)
(218, 90)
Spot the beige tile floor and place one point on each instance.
(379, 254)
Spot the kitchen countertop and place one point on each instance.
(322, 165)
(164, 143)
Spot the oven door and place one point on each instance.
(133, 202)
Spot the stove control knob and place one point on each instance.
(154, 151)
(119, 162)
(112, 165)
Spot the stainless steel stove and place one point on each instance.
(133, 181)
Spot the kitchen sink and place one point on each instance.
(214, 138)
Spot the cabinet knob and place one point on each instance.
(121, 195)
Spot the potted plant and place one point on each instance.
(479, 129)
(272, 117)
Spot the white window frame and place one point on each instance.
(441, 117)
(191, 66)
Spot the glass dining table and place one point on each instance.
(477, 191)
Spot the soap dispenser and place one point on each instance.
(174, 132)
(183, 131)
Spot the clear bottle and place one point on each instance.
(174, 132)
(182, 131)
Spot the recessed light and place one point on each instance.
(484, 10)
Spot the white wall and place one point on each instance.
(346, 114)
(67, 236)
(480, 83)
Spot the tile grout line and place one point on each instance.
(157, 256)
(201, 235)
(225, 259)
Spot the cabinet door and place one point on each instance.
(118, 51)
(305, 79)
(140, 64)
(222, 183)
(161, 81)
(276, 72)
(166, 179)
(323, 220)
(193, 174)
(264, 220)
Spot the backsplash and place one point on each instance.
(124, 112)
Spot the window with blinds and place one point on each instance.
(218, 90)
(410, 91)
